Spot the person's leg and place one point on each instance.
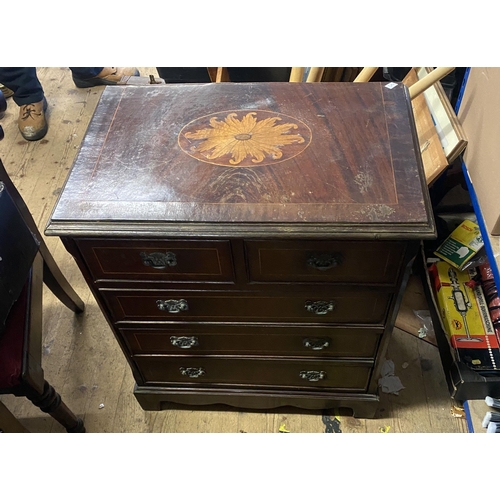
(24, 83)
(85, 73)
(90, 77)
(29, 96)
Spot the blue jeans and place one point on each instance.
(26, 86)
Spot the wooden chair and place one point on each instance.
(218, 75)
(25, 265)
(315, 74)
(417, 88)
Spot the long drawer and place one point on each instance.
(370, 262)
(158, 260)
(349, 376)
(263, 340)
(332, 306)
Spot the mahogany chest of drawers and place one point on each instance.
(249, 243)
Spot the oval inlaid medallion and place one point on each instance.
(244, 138)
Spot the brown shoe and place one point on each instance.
(6, 92)
(108, 76)
(32, 122)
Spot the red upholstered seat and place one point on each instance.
(26, 264)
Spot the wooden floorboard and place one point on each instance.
(83, 361)
(477, 412)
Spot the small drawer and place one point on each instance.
(159, 260)
(370, 262)
(262, 340)
(335, 375)
(337, 305)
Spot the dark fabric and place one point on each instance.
(18, 248)
(3, 104)
(184, 75)
(12, 341)
(26, 85)
(239, 75)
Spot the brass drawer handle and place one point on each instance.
(184, 342)
(319, 306)
(192, 372)
(159, 260)
(316, 344)
(324, 261)
(172, 306)
(312, 375)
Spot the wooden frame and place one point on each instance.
(433, 157)
(449, 129)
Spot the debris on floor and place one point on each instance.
(283, 429)
(425, 320)
(388, 382)
(422, 332)
(331, 425)
(457, 411)
(385, 429)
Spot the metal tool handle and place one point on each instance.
(324, 261)
(312, 375)
(192, 372)
(316, 344)
(320, 307)
(159, 260)
(184, 342)
(172, 306)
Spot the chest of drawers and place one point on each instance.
(249, 243)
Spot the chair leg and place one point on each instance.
(50, 402)
(54, 279)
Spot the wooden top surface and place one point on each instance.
(248, 158)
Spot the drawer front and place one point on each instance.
(293, 340)
(170, 261)
(255, 372)
(336, 306)
(370, 262)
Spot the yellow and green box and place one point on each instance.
(461, 245)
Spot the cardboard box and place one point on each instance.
(479, 114)
(463, 383)
(461, 245)
(466, 318)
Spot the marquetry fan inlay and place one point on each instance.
(244, 138)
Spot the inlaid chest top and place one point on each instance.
(249, 157)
